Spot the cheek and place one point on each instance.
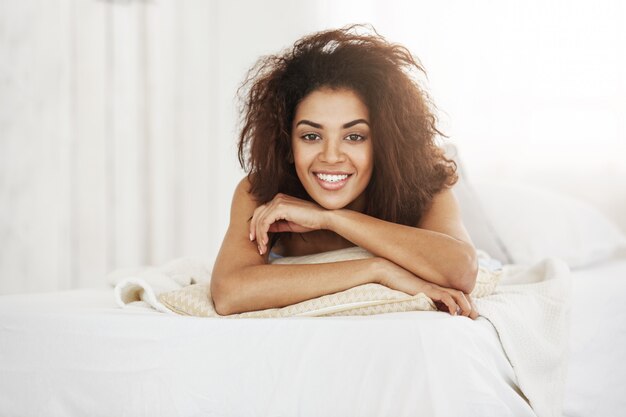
(301, 160)
(365, 160)
(296, 154)
(297, 157)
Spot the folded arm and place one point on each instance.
(242, 280)
(439, 250)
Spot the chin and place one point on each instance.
(330, 204)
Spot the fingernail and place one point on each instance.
(260, 253)
(250, 237)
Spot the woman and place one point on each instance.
(339, 144)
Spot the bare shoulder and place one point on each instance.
(444, 216)
(243, 205)
(236, 250)
(243, 189)
(243, 202)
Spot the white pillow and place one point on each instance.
(535, 223)
(476, 222)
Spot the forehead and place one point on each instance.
(331, 104)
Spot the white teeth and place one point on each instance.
(332, 178)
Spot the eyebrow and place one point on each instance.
(319, 126)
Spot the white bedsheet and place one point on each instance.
(529, 310)
(74, 354)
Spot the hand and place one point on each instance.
(454, 301)
(285, 214)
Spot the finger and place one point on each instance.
(275, 226)
(253, 220)
(475, 313)
(263, 224)
(258, 218)
(461, 300)
(258, 234)
(264, 233)
(450, 303)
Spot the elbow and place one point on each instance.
(468, 281)
(219, 297)
(465, 277)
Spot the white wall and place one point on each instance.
(117, 130)
(118, 119)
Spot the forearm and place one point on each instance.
(261, 287)
(433, 256)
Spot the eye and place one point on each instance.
(355, 137)
(310, 137)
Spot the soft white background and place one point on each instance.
(118, 120)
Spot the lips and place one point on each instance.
(332, 181)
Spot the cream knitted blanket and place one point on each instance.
(530, 310)
(528, 307)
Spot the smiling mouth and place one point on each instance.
(332, 182)
(332, 178)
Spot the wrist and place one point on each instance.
(329, 219)
(378, 270)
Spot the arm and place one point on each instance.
(273, 286)
(243, 281)
(439, 250)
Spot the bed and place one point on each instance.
(77, 353)
(81, 355)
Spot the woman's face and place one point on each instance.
(332, 148)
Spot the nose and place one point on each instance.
(332, 152)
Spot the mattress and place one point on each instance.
(75, 353)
